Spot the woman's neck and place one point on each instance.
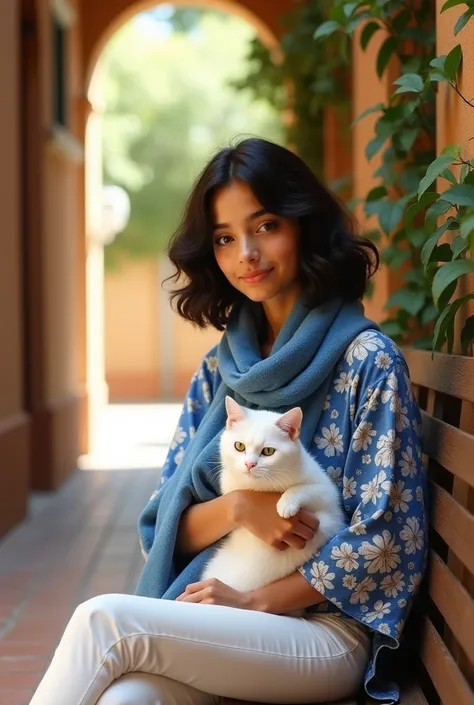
(277, 311)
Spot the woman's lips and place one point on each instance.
(257, 276)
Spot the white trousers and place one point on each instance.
(129, 650)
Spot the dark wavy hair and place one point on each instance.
(334, 261)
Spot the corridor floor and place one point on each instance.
(76, 543)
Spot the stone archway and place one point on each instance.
(98, 24)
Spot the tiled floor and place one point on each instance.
(78, 542)
(82, 543)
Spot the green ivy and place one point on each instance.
(405, 138)
(309, 77)
(412, 219)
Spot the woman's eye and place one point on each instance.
(268, 451)
(267, 226)
(239, 446)
(223, 239)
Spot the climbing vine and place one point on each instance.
(424, 205)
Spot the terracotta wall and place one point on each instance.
(151, 353)
(367, 90)
(53, 311)
(14, 421)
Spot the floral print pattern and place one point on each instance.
(368, 440)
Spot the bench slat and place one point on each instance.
(449, 374)
(413, 696)
(454, 603)
(448, 680)
(454, 524)
(452, 448)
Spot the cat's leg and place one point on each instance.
(294, 499)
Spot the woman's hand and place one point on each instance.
(257, 512)
(213, 592)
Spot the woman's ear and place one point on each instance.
(235, 412)
(290, 423)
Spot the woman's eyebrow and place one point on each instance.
(252, 216)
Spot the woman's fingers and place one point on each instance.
(303, 530)
(308, 519)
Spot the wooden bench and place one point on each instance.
(437, 660)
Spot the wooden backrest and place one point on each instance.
(444, 387)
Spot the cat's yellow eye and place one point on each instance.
(239, 446)
(268, 451)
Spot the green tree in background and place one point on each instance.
(169, 105)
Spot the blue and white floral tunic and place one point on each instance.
(369, 441)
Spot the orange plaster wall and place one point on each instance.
(368, 90)
(10, 235)
(104, 18)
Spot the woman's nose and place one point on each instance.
(249, 251)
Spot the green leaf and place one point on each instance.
(449, 176)
(349, 8)
(463, 20)
(453, 150)
(453, 60)
(392, 328)
(374, 146)
(458, 246)
(395, 258)
(437, 75)
(406, 139)
(431, 243)
(452, 3)
(377, 193)
(438, 62)
(385, 54)
(467, 226)
(373, 109)
(467, 334)
(446, 319)
(327, 28)
(439, 208)
(407, 299)
(425, 200)
(460, 195)
(447, 294)
(434, 170)
(449, 273)
(429, 314)
(409, 83)
(367, 33)
(391, 214)
(416, 237)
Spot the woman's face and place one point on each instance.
(258, 252)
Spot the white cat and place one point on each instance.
(261, 451)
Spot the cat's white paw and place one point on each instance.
(287, 508)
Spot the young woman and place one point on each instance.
(267, 254)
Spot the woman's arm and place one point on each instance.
(285, 595)
(281, 597)
(203, 524)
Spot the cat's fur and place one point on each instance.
(244, 561)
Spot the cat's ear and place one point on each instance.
(234, 412)
(290, 423)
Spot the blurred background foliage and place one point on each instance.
(171, 100)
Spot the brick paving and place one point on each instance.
(81, 542)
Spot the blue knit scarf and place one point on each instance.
(297, 373)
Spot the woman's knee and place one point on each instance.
(97, 611)
(131, 689)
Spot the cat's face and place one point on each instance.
(260, 445)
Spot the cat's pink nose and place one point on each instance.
(249, 465)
